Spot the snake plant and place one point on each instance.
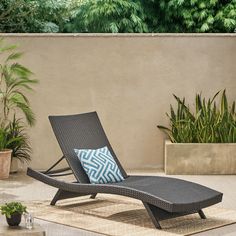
(210, 121)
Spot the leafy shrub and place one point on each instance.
(35, 16)
(54, 14)
(20, 144)
(18, 16)
(113, 16)
(9, 209)
(5, 140)
(210, 123)
(109, 16)
(200, 16)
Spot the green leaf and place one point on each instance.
(7, 48)
(14, 56)
(204, 27)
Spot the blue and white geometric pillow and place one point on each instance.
(99, 165)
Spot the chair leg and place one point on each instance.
(56, 198)
(201, 214)
(93, 196)
(153, 214)
(61, 194)
(157, 214)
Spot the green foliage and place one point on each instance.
(20, 141)
(54, 14)
(35, 16)
(109, 16)
(9, 209)
(118, 16)
(5, 140)
(14, 81)
(210, 123)
(199, 16)
(18, 16)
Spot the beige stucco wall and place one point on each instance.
(128, 80)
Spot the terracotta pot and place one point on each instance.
(14, 220)
(5, 163)
(14, 166)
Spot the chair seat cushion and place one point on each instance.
(99, 165)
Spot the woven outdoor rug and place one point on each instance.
(120, 216)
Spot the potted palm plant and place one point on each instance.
(13, 212)
(202, 140)
(15, 81)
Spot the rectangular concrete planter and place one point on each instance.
(200, 158)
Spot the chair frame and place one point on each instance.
(157, 208)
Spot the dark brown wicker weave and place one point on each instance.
(162, 197)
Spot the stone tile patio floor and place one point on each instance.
(21, 187)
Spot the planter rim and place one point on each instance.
(16, 213)
(6, 151)
(168, 142)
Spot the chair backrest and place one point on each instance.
(82, 131)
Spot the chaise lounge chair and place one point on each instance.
(163, 197)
